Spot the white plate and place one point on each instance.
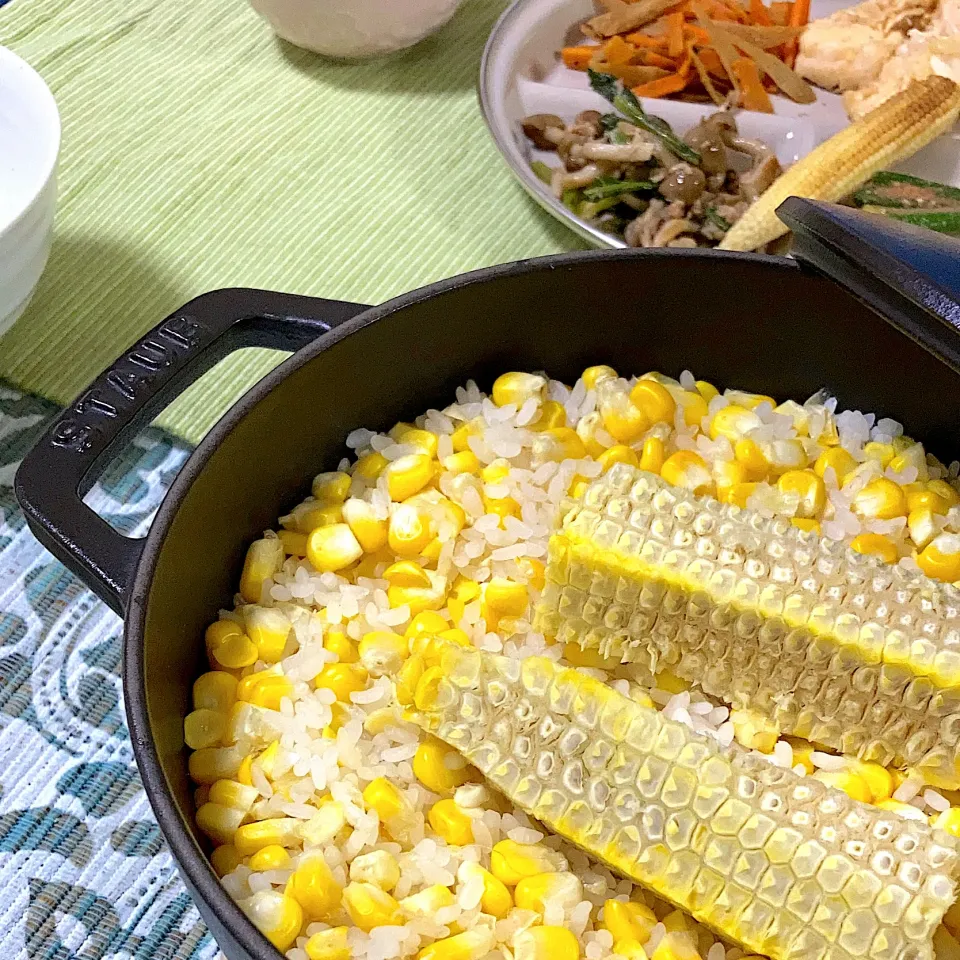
(521, 74)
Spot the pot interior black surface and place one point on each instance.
(753, 323)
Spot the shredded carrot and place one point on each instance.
(697, 34)
(759, 14)
(753, 96)
(711, 60)
(652, 59)
(673, 83)
(780, 13)
(578, 58)
(617, 50)
(639, 39)
(799, 17)
(675, 34)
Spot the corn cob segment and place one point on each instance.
(832, 645)
(781, 864)
(897, 129)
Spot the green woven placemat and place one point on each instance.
(200, 152)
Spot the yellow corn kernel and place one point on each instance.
(315, 888)
(754, 731)
(676, 921)
(310, 514)
(552, 415)
(621, 419)
(329, 944)
(880, 499)
(945, 490)
(669, 681)
(785, 455)
(469, 945)
(439, 767)
(268, 628)
(631, 949)
(593, 375)
(408, 475)
(325, 824)
(338, 643)
(496, 900)
(387, 799)
(235, 652)
(875, 544)
(382, 652)
(428, 622)
(707, 390)
(264, 558)
(451, 823)
(398, 428)
(406, 573)
(409, 531)
(727, 474)
(333, 547)
(883, 453)
(428, 901)
(464, 462)
(216, 690)
(587, 428)
(558, 444)
(802, 523)
(377, 867)
(694, 407)
(896, 129)
(267, 760)
(517, 388)
(425, 441)
(926, 499)
(807, 487)
(342, 678)
(688, 470)
(294, 543)
(233, 794)
(369, 530)
(878, 779)
(510, 861)
(922, 526)
(369, 906)
(847, 781)
(426, 644)
(949, 820)
(652, 455)
(749, 400)
(655, 400)
(245, 770)
(277, 916)
(536, 892)
(331, 487)
(733, 422)
(940, 559)
(273, 857)
(265, 689)
(219, 632)
(533, 571)
(503, 598)
(463, 592)
(628, 920)
(461, 436)
(587, 657)
(419, 599)
(749, 453)
(545, 943)
(738, 494)
(619, 453)
(218, 822)
(676, 946)
(912, 456)
(282, 831)
(225, 859)
(370, 466)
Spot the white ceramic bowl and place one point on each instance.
(29, 147)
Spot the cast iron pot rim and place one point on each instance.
(185, 851)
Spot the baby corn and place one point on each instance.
(779, 863)
(895, 130)
(831, 645)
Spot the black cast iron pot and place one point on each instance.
(758, 323)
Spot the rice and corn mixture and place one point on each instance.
(346, 831)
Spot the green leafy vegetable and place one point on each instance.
(543, 172)
(900, 190)
(571, 200)
(604, 187)
(718, 220)
(627, 103)
(609, 121)
(590, 210)
(942, 221)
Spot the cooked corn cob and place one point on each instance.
(779, 863)
(895, 130)
(832, 645)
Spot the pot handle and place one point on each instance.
(67, 461)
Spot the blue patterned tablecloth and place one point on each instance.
(84, 872)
